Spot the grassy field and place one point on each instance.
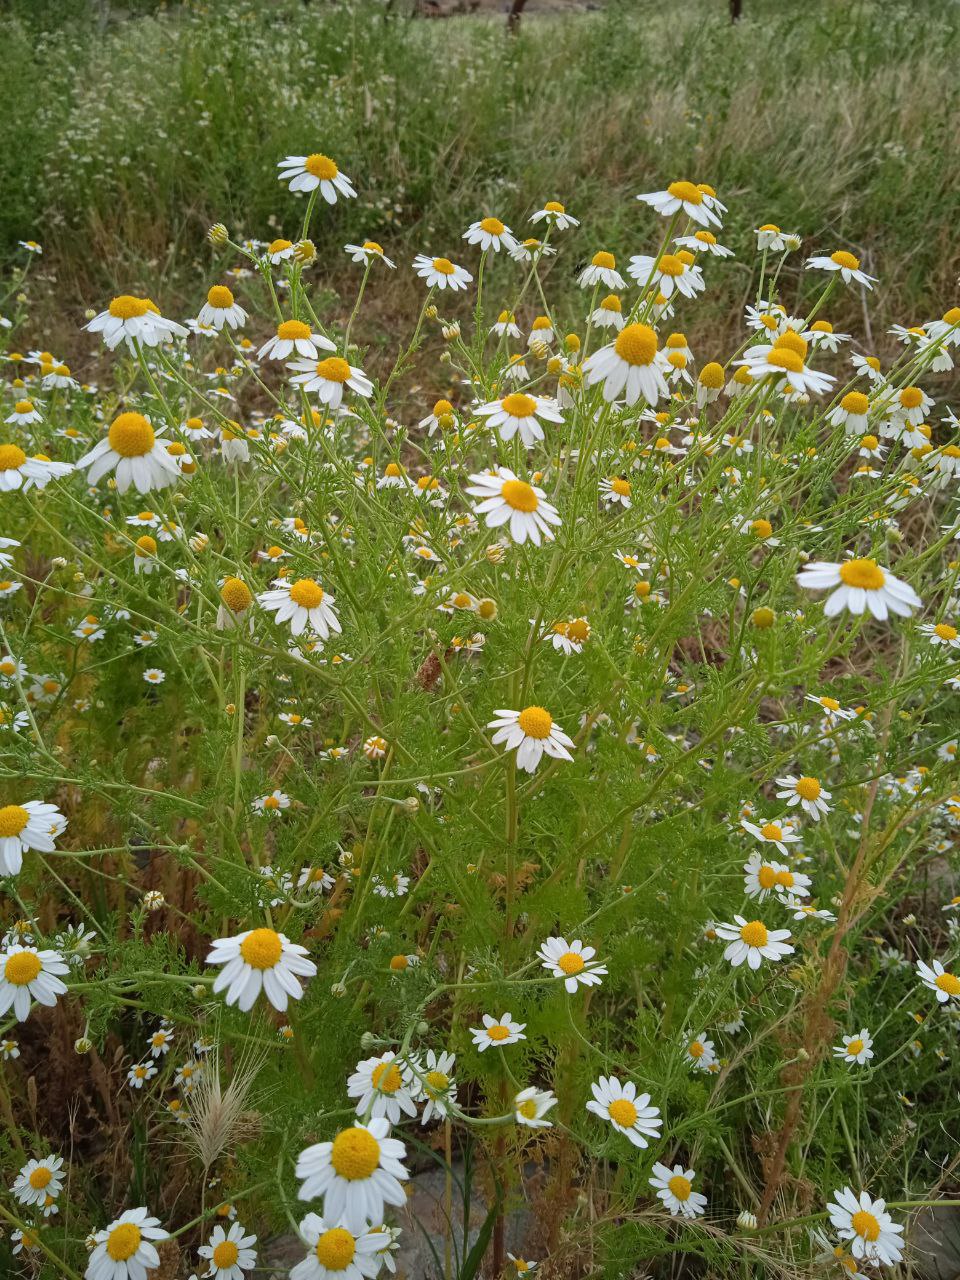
(838, 121)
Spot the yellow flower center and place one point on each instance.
(519, 495)
(321, 167)
(22, 968)
(131, 435)
(40, 1177)
(518, 405)
(782, 358)
(784, 879)
(444, 266)
(865, 1224)
(911, 397)
(621, 487)
(528, 1108)
(334, 369)
(220, 297)
(761, 528)
(771, 831)
(766, 876)
(711, 375)
(865, 574)
(123, 1241)
(493, 226)
(261, 948)
(696, 1049)
(126, 307)
(754, 934)
(949, 983)
(808, 788)
(844, 259)
(670, 265)
(236, 595)
(225, 1254)
(145, 546)
(636, 344)
(705, 237)
(854, 1046)
(355, 1154)
(498, 1031)
(571, 962)
(293, 329)
(11, 457)
(623, 1112)
(554, 206)
(306, 593)
(535, 722)
(945, 631)
(278, 246)
(386, 1077)
(335, 1249)
(680, 1186)
(830, 704)
(869, 442)
(604, 259)
(641, 589)
(855, 402)
(437, 1083)
(13, 817)
(685, 191)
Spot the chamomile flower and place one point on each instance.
(369, 252)
(497, 1034)
(672, 271)
(855, 1049)
(272, 804)
(160, 1041)
(609, 314)
(135, 453)
(260, 960)
(441, 273)
(683, 197)
(674, 1187)
(507, 500)
(293, 337)
(302, 603)
(752, 942)
(703, 242)
(531, 1105)
(316, 172)
(134, 320)
(762, 877)
(383, 1086)
(437, 1088)
(221, 310)
(490, 233)
(602, 269)
(532, 733)
(336, 1251)
(629, 366)
(630, 1113)
(520, 414)
(785, 358)
(140, 1073)
(555, 215)
(229, 1253)
(852, 413)
(807, 792)
(358, 1173)
(327, 378)
(941, 633)
(848, 266)
(700, 1053)
(19, 471)
(872, 1233)
(859, 584)
(832, 710)
(39, 1179)
(573, 962)
(125, 1250)
(777, 833)
(25, 413)
(33, 825)
(771, 238)
(615, 490)
(944, 984)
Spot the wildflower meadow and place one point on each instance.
(503, 742)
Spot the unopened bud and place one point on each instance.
(82, 1045)
(218, 234)
(305, 253)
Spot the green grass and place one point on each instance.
(837, 121)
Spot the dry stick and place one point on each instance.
(818, 1000)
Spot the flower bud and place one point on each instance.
(218, 234)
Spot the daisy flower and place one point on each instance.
(572, 962)
(941, 633)
(273, 803)
(293, 337)
(24, 414)
(328, 377)
(602, 270)
(785, 358)
(441, 273)
(358, 1173)
(383, 1087)
(701, 1053)
(858, 1048)
(852, 413)
(18, 471)
(522, 1266)
(832, 710)
(506, 500)
(220, 310)
(437, 1087)
(866, 1224)
(609, 314)
(368, 252)
(229, 1253)
(556, 215)
(125, 1249)
(134, 320)
(490, 233)
(135, 452)
(629, 366)
(945, 985)
(846, 264)
(260, 960)
(33, 825)
(337, 1253)
(771, 238)
(806, 792)
(683, 197)
(530, 733)
(39, 1179)
(673, 271)
(27, 974)
(630, 1113)
(140, 1073)
(674, 1188)
(497, 1034)
(615, 490)
(761, 878)
(301, 603)
(753, 942)
(531, 1105)
(859, 584)
(520, 413)
(308, 173)
(780, 834)
(160, 1041)
(704, 242)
